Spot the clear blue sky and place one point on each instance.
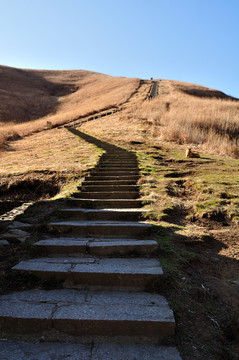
(190, 40)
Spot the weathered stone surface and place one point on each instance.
(102, 214)
(102, 248)
(101, 228)
(22, 350)
(134, 352)
(17, 235)
(112, 188)
(93, 271)
(23, 317)
(87, 313)
(4, 243)
(63, 245)
(108, 182)
(107, 195)
(124, 297)
(55, 297)
(103, 188)
(105, 203)
(115, 177)
(97, 246)
(20, 225)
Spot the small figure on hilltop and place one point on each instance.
(192, 154)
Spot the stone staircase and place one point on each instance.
(101, 251)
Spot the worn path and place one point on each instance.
(102, 252)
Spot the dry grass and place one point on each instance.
(30, 98)
(184, 113)
(52, 150)
(191, 114)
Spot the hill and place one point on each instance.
(33, 97)
(193, 202)
(181, 112)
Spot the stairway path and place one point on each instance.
(102, 252)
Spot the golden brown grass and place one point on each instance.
(30, 98)
(192, 115)
(52, 150)
(187, 114)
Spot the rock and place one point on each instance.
(15, 235)
(4, 243)
(19, 225)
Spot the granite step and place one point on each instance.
(98, 228)
(104, 203)
(118, 187)
(23, 350)
(117, 167)
(125, 165)
(97, 246)
(88, 182)
(106, 194)
(112, 177)
(101, 214)
(113, 273)
(109, 172)
(118, 156)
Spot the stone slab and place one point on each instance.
(101, 228)
(85, 312)
(108, 182)
(104, 248)
(134, 352)
(57, 296)
(22, 350)
(112, 177)
(63, 245)
(20, 225)
(100, 247)
(4, 243)
(133, 214)
(107, 195)
(23, 317)
(117, 187)
(104, 203)
(94, 271)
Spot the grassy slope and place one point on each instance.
(198, 248)
(193, 203)
(30, 98)
(192, 115)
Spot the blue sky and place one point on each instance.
(189, 40)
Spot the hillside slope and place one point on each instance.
(181, 112)
(27, 95)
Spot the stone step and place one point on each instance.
(108, 182)
(118, 187)
(22, 350)
(104, 203)
(102, 214)
(119, 156)
(114, 273)
(96, 246)
(82, 313)
(112, 177)
(106, 195)
(101, 228)
(118, 167)
(118, 164)
(109, 172)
